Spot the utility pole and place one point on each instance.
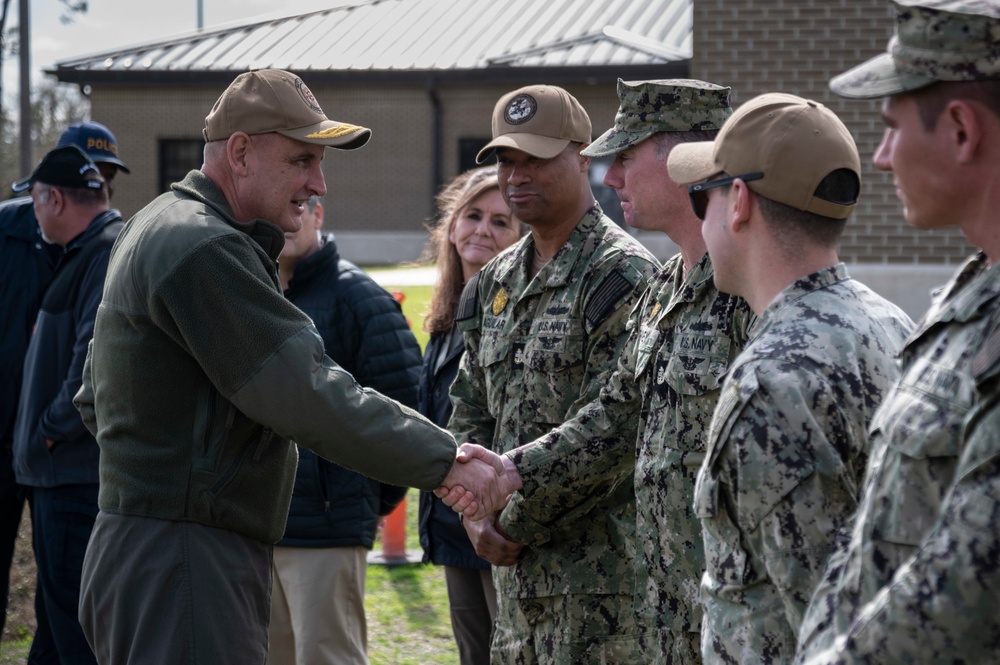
(24, 36)
(3, 26)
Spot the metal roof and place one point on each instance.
(418, 36)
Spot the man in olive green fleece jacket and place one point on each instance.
(200, 375)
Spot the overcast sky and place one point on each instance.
(109, 24)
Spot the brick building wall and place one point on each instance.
(140, 116)
(796, 46)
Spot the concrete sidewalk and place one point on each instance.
(419, 276)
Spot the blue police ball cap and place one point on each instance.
(94, 139)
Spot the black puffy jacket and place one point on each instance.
(364, 331)
(442, 536)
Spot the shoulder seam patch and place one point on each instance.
(606, 297)
(468, 304)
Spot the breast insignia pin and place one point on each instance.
(500, 302)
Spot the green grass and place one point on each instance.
(15, 653)
(406, 606)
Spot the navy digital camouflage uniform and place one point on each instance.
(786, 456)
(683, 336)
(689, 335)
(917, 578)
(917, 581)
(537, 350)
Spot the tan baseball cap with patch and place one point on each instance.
(794, 142)
(541, 120)
(271, 100)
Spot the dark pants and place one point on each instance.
(159, 592)
(473, 602)
(63, 518)
(12, 497)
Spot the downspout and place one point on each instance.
(436, 141)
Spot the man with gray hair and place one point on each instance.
(916, 578)
(683, 336)
(53, 452)
(26, 266)
(200, 377)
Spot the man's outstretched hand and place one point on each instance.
(479, 483)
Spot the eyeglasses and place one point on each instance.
(699, 197)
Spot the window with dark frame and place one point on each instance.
(467, 150)
(177, 157)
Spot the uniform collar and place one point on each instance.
(199, 186)
(970, 294)
(512, 273)
(95, 227)
(816, 281)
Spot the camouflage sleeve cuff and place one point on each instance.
(531, 460)
(517, 525)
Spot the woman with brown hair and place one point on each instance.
(474, 225)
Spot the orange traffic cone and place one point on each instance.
(394, 531)
(400, 297)
(394, 551)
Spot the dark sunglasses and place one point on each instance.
(699, 197)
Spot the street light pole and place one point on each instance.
(24, 48)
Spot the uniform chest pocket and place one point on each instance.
(691, 375)
(493, 350)
(554, 354)
(929, 407)
(920, 425)
(495, 357)
(697, 363)
(554, 368)
(685, 389)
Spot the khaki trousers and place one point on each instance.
(318, 607)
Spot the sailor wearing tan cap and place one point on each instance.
(788, 442)
(917, 580)
(200, 377)
(544, 326)
(683, 335)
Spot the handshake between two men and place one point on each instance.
(478, 486)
